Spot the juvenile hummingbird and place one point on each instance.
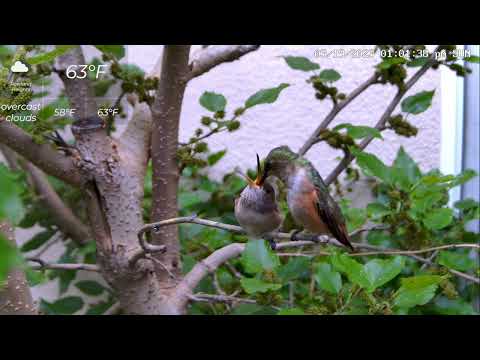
(307, 195)
(256, 208)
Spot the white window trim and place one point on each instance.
(452, 92)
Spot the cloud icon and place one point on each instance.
(19, 67)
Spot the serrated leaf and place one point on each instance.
(213, 102)
(296, 267)
(359, 132)
(252, 309)
(417, 290)
(445, 306)
(90, 287)
(258, 257)
(457, 261)
(438, 218)
(291, 311)
(418, 103)
(215, 157)
(100, 308)
(65, 306)
(372, 165)
(351, 268)
(9, 257)
(329, 75)
(265, 96)
(407, 168)
(472, 59)
(254, 285)
(51, 55)
(328, 279)
(379, 272)
(419, 61)
(118, 51)
(376, 210)
(37, 241)
(11, 205)
(301, 63)
(389, 61)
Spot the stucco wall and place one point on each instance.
(290, 120)
(293, 117)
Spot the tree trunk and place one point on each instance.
(15, 295)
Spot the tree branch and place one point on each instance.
(79, 91)
(186, 286)
(334, 112)
(62, 215)
(383, 119)
(163, 148)
(42, 265)
(42, 155)
(212, 298)
(210, 57)
(15, 295)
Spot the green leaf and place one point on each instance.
(9, 258)
(389, 61)
(291, 311)
(376, 211)
(355, 217)
(329, 75)
(466, 204)
(359, 132)
(89, 287)
(445, 306)
(463, 177)
(215, 157)
(65, 306)
(254, 285)
(252, 309)
(258, 257)
(300, 63)
(472, 59)
(51, 55)
(418, 103)
(11, 206)
(372, 165)
(213, 102)
(100, 308)
(407, 168)
(379, 272)
(327, 279)
(419, 61)
(37, 241)
(438, 218)
(457, 261)
(417, 290)
(265, 96)
(118, 51)
(296, 267)
(352, 268)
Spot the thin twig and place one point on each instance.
(334, 112)
(42, 265)
(383, 119)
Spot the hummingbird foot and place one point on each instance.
(294, 236)
(271, 241)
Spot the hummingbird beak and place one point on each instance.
(250, 182)
(260, 176)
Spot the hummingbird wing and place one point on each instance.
(328, 209)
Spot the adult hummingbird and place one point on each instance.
(256, 208)
(307, 195)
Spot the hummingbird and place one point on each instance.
(308, 198)
(256, 208)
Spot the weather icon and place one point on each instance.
(19, 67)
